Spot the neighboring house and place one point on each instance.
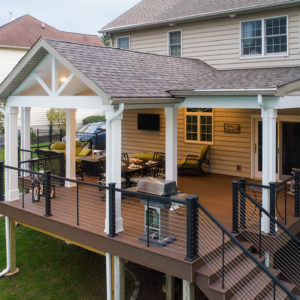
(226, 35)
(18, 36)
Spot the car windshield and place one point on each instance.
(89, 128)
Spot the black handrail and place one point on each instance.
(246, 252)
(292, 236)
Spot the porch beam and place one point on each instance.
(54, 75)
(287, 102)
(171, 143)
(42, 83)
(11, 153)
(70, 146)
(85, 102)
(25, 133)
(64, 85)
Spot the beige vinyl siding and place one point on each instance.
(8, 59)
(228, 150)
(217, 42)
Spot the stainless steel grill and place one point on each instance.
(156, 186)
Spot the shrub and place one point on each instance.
(57, 118)
(93, 119)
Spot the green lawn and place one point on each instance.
(51, 269)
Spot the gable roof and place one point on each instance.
(25, 31)
(154, 12)
(136, 77)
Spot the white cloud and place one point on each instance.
(85, 16)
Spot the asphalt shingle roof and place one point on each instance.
(155, 11)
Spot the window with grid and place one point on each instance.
(276, 35)
(123, 43)
(175, 43)
(199, 125)
(263, 37)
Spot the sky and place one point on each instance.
(83, 16)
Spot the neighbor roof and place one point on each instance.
(24, 31)
(129, 75)
(151, 12)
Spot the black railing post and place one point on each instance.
(38, 139)
(272, 206)
(112, 210)
(192, 228)
(48, 194)
(297, 193)
(242, 204)
(1, 181)
(235, 207)
(50, 134)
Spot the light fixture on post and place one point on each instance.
(63, 79)
(36, 190)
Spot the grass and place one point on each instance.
(52, 269)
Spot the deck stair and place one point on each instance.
(243, 279)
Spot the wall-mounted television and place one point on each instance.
(148, 122)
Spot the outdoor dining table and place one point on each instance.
(143, 168)
(92, 164)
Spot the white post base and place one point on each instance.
(13, 195)
(119, 225)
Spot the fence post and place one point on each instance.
(112, 210)
(48, 194)
(235, 207)
(38, 139)
(243, 204)
(1, 181)
(272, 206)
(60, 135)
(50, 134)
(297, 193)
(192, 228)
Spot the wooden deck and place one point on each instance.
(214, 193)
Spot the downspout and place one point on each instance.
(8, 258)
(260, 101)
(108, 255)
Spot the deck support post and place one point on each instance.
(11, 153)
(119, 278)
(269, 116)
(25, 134)
(170, 291)
(12, 233)
(171, 143)
(70, 146)
(113, 161)
(188, 290)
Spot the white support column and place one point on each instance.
(25, 133)
(188, 290)
(171, 143)
(119, 279)
(70, 145)
(113, 160)
(11, 153)
(269, 116)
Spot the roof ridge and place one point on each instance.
(13, 21)
(134, 51)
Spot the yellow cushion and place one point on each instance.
(84, 152)
(58, 146)
(180, 163)
(144, 155)
(78, 144)
(60, 151)
(203, 150)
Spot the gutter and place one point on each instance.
(210, 15)
(8, 257)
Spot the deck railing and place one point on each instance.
(279, 246)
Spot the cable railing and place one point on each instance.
(270, 238)
(237, 271)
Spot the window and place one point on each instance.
(199, 125)
(123, 43)
(263, 37)
(175, 43)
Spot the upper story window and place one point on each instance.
(264, 37)
(123, 43)
(175, 43)
(199, 125)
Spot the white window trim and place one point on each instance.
(264, 54)
(198, 142)
(121, 37)
(168, 39)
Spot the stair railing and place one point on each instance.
(278, 290)
(279, 245)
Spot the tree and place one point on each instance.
(2, 118)
(105, 39)
(57, 118)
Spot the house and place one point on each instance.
(18, 36)
(198, 104)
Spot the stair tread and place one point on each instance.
(255, 286)
(230, 256)
(236, 274)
